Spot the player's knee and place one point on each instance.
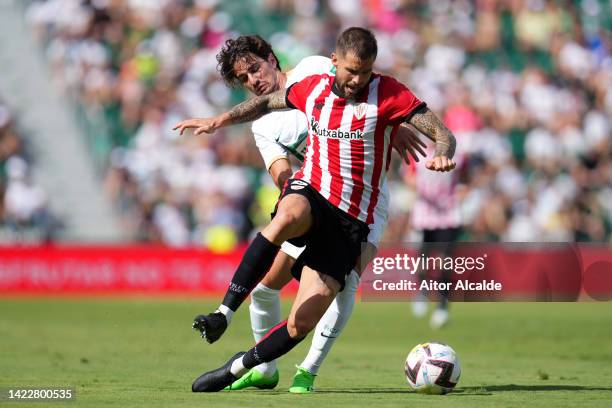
(294, 208)
(330, 290)
(292, 221)
(285, 219)
(299, 327)
(295, 215)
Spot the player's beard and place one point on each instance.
(347, 92)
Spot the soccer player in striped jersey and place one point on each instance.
(330, 202)
(437, 214)
(249, 61)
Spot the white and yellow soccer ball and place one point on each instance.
(432, 368)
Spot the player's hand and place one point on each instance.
(407, 142)
(208, 125)
(441, 164)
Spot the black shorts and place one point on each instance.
(333, 242)
(442, 241)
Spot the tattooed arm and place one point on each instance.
(256, 107)
(432, 127)
(247, 111)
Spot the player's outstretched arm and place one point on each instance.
(432, 127)
(247, 111)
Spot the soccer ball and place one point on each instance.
(432, 368)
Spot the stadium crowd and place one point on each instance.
(24, 212)
(525, 85)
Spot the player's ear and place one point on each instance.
(272, 59)
(334, 59)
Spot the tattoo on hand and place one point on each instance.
(429, 124)
(258, 106)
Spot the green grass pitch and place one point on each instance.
(142, 353)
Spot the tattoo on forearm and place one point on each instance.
(249, 110)
(258, 106)
(429, 124)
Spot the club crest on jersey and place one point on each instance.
(360, 110)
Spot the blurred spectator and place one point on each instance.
(24, 212)
(526, 85)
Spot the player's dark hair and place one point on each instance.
(359, 41)
(239, 48)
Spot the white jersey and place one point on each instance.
(283, 133)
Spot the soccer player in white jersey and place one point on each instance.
(249, 61)
(331, 200)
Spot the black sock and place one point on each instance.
(276, 343)
(255, 263)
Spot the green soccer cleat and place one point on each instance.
(303, 382)
(254, 378)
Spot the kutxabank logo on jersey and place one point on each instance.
(316, 128)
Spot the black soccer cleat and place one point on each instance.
(218, 379)
(211, 326)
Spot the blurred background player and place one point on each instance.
(436, 215)
(249, 61)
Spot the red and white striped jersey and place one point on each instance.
(348, 147)
(437, 204)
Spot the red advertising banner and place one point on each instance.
(478, 271)
(561, 272)
(115, 270)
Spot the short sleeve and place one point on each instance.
(298, 93)
(313, 65)
(398, 103)
(270, 150)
